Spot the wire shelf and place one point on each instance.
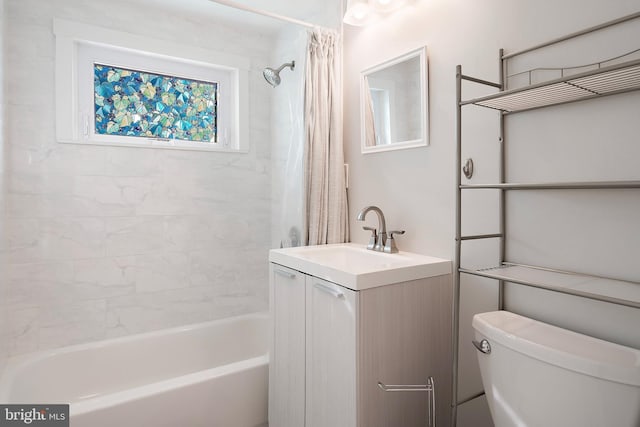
(605, 289)
(594, 185)
(611, 80)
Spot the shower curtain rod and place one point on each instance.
(265, 13)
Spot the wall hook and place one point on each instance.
(467, 169)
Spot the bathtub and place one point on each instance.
(211, 374)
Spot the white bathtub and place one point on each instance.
(211, 374)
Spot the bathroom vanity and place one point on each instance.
(345, 319)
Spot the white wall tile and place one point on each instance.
(32, 126)
(35, 285)
(112, 240)
(215, 268)
(39, 35)
(157, 272)
(61, 325)
(23, 330)
(58, 159)
(163, 309)
(5, 333)
(123, 161)
(167, 199)
(50, 283)
(47, 239)
(195, 232)
(37, 184)
(133, 235)
(64, 205)
(39, 13)
(104, 277)
(19, 241)
(35, 91)
(114, 196)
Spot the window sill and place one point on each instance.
(170, 145)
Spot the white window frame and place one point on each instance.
(79, 46)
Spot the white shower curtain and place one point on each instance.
(325, 192)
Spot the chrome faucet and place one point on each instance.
(379, 236)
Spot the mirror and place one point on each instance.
(393, 103)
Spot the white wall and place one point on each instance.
(588, 232)
(4, 326)
(108, 241)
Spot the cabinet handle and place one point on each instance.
(284, 273)
(324, 288)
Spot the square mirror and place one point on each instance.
(393, 103)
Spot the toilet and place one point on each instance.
(538, 375)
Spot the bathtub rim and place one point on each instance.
(113, 399)
(16, 364)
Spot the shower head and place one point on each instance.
(273, 76)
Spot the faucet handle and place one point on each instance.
(390, 245)
(391, 233)
(372, 239)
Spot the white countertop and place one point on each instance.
(353, 266)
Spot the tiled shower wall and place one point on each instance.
(4, 328)
(108, 241)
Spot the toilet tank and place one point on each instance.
(540, 375)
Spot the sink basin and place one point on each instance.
(352, 257)
(353, 266)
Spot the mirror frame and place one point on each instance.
(424, 101)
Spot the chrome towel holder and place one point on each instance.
(430, 388)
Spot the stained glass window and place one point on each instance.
(140, 104)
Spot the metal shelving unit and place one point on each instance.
(584, 285)
(593, 185)
(601, 80)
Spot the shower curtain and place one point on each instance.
(325, 213)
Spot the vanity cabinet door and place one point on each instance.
(331, 354)
(287, 352)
